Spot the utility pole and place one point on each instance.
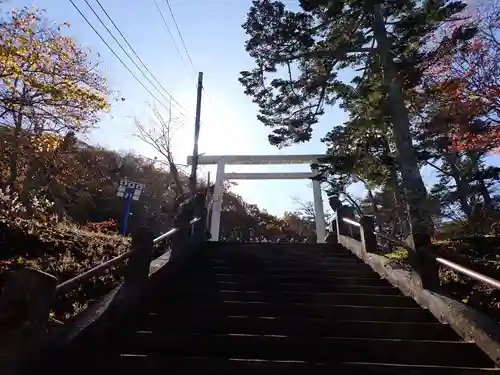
(192, 185)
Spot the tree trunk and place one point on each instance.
(399, 202)
(16, 144)
(483, 190)
(375, 209)
(462, 186)
(416, 193)
(178, 191)
(354, 204)
(401, 216)
(484, 193)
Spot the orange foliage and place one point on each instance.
(466, 78)
(107, 227)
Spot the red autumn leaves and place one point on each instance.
(465, 79)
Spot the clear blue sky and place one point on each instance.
(215, 40)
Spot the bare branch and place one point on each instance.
(159, 137)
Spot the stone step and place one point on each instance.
(219, 324)
(291, 310)
(132, 365)
(355, 299)
(355, 269)
(297, 296)
(326, 349)
(313, 279)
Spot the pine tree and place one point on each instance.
(381, 40)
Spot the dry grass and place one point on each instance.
(64, 250)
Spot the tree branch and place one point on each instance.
(335, 54)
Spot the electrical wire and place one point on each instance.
(171, 35)
(116, 55)
(134, 52)
(183, 43)
(185, 46)
(131, 59)
(180, 36)
(207, 96)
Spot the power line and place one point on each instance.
(180, 36)
(207, 96)
(131, 59)
(135, 53)
(185, 46)
(116, 55)
(182, 40)
(170, 33)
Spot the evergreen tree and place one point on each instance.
(381, 40)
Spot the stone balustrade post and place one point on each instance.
(24, 312)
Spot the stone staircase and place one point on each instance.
(275, 309)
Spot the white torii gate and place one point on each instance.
(222, 160)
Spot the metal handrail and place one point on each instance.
(165, 235)
(352, 222)
(173, 231)
(68, 284)
(448, 263)
(468, 272)
(92, 272)
(445, 262)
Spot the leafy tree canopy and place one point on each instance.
(300, 55)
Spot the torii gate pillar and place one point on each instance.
(217, 202)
